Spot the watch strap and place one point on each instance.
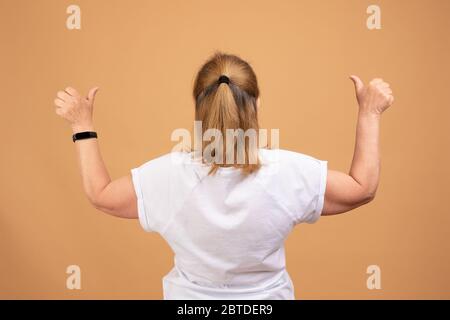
(84, 135)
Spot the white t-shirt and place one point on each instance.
(227, 230)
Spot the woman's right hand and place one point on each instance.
(76, 109)
(373, 98)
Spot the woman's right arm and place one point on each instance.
(115, 197)
(345, 192)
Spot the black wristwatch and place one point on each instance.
(84, 135)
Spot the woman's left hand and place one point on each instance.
(76, 109)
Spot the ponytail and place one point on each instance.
(224, 101)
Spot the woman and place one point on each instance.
(226, 221)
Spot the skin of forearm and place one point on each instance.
(93, 171)
(365, 168)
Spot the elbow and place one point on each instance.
(368, 196)
(95, 201)
(99, 200)
(100, 205)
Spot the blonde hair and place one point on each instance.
(231, 105)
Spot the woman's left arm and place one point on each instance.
(113, 197)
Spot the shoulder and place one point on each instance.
(170, 160)
(178, 168)
(295, 180)
(289, 168)
(287, 158)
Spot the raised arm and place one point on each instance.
(113, 197)
(345, 192)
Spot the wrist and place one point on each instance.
(370, 114)
(82, 127)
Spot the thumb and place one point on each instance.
(357, 82)
(92, 93)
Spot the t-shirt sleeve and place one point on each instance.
(317, 177)
(151, 183)
(161, 185)
(303, 182)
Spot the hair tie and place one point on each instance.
(224, 79)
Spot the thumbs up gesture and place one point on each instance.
(374, 97)
(76, 109)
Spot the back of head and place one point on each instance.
(225, 94)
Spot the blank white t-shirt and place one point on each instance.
(227, 230)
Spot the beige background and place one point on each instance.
(144, 56)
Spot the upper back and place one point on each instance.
(228, 224)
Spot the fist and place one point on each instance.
(374, 97)
(77, 110)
